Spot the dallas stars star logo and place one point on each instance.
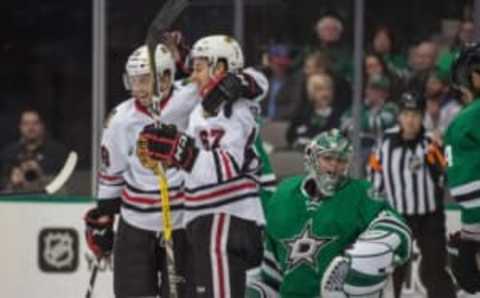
(304, 248)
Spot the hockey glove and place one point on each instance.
(99, 232)
(167, 145)
(228, 88)
(363, 271)
(462, 255)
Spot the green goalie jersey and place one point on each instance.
(303, 235)
(462, 150)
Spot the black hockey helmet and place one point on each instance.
(467, 62)
(412, 100)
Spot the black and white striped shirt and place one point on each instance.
(402, 172)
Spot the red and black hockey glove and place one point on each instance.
(99, 232)
(462, 256)
(228, 88)
(166, 144)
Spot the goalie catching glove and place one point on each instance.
(463, 263)
(364, 269)
(167, 145)
(228, 88)
(99, 232)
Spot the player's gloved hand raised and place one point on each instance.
(166, 144)
(462, 256)
(99, 232)
(228, 88)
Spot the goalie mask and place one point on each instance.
(138, 76)
(327, 159)
(465, 65)
(216, 48)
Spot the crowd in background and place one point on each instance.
(313, 91)
(310, 79)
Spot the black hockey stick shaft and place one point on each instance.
(93, 278)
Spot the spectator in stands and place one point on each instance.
(329, 33)
(422, 61)
(319, 62)
(375, 65)
(383, 44)
(34, 156)
(317, 115)
(329, 30)
(441, 108)
(464, 36)
(278, 103)
(377, 114)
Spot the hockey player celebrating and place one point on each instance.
(127, 184)
(327, 234)
(222, 206)
(462, 150)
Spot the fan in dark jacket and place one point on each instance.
(317, 115)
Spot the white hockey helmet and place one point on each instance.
(216, 48)
(138, 63)
(164, 61)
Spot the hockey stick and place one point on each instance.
(59, 181)
(162, 22)
(64, 174)
(93, 277)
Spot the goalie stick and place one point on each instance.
(60, 179)
(162, 22)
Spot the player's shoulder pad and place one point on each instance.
(119, 115)
(289, 185)
(183, 83)
(186, 88)
(364, 189)
(246, 110)
(261, 80)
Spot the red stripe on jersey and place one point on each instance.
(227, 165)
(222, 191)
(148, 201)
(109, 178)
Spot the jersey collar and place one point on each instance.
(144, 110)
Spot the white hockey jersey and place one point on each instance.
(219, 181)
(122, 173)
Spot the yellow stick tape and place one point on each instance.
(165, 201)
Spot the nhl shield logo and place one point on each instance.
(58, 250)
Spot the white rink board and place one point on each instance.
(20, 271)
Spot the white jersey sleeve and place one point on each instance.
(114, 158)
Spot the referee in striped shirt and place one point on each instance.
(408, 167)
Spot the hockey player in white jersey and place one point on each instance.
(223, 212)
(128, 186)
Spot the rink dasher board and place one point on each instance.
(44, 254)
